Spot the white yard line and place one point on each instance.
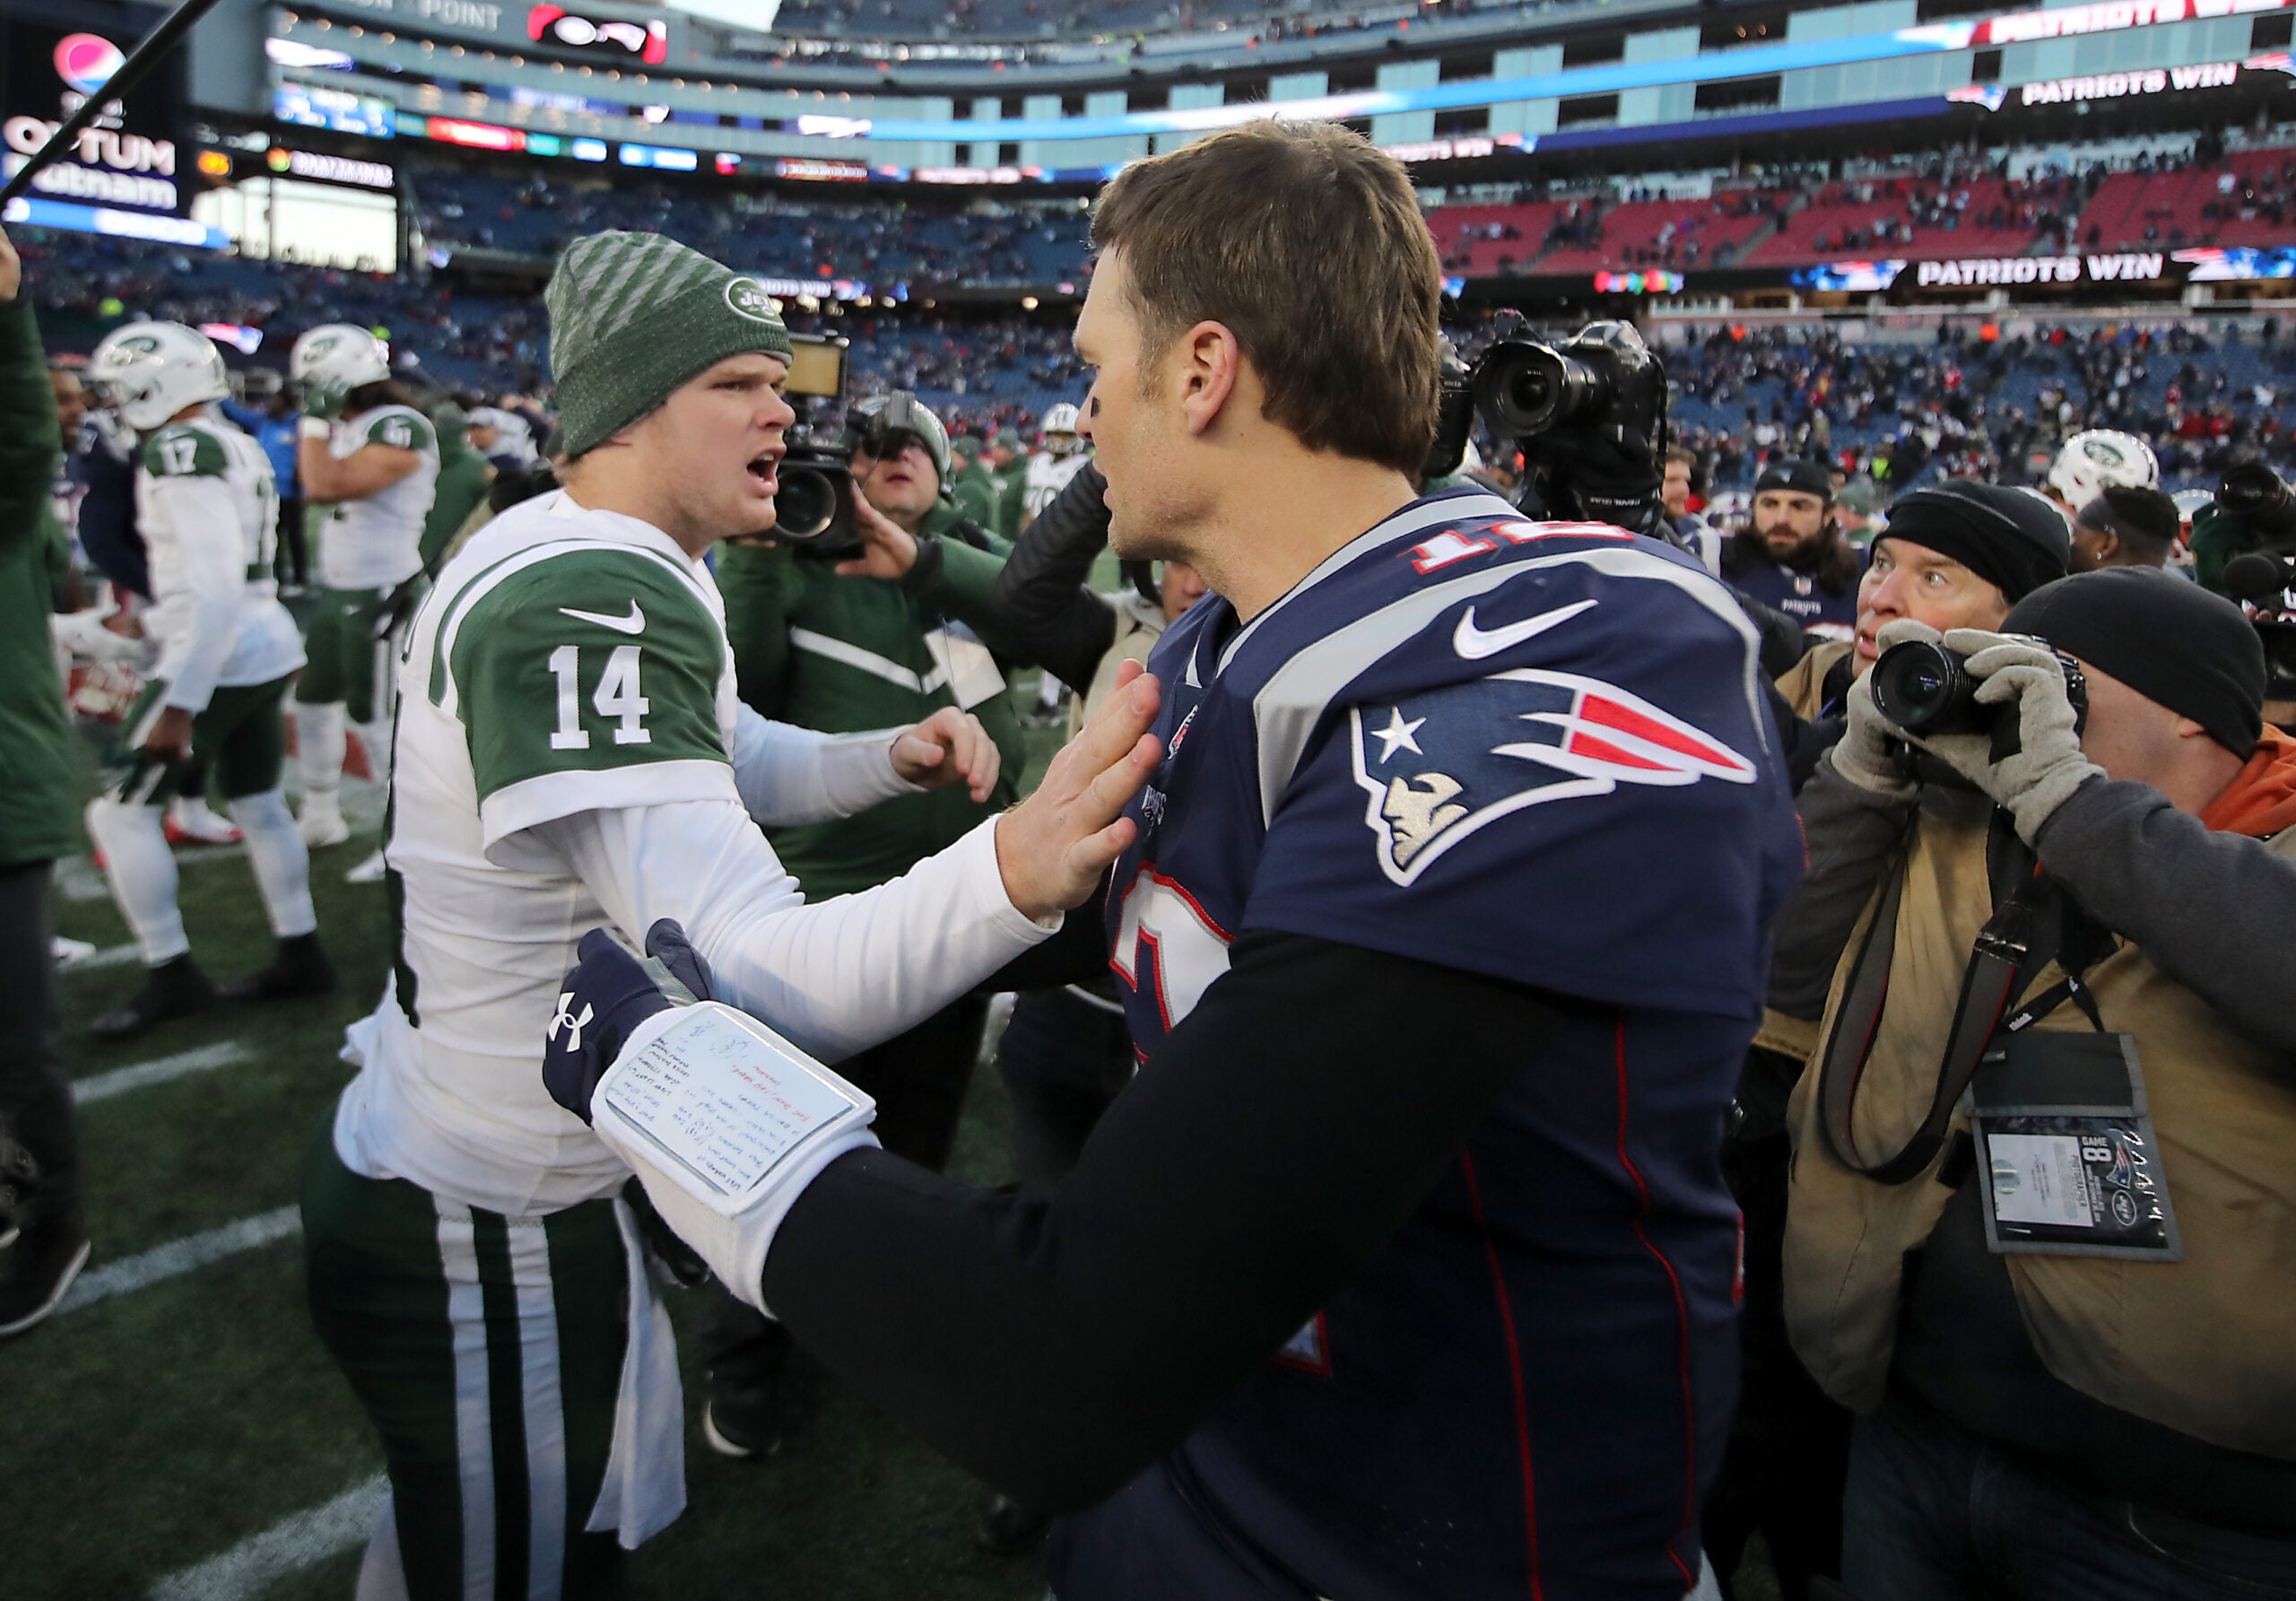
(102, 1086)
(290, 1545)
(178, 1257)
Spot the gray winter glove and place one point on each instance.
(1865, 754)
(2028, 681)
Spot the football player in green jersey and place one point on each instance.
(208, 511)
(570, 752)
(372, 458)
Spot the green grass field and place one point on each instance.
(156, 1429)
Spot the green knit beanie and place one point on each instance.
(632, 316)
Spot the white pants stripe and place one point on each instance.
(473, 1427)
(544, 1407)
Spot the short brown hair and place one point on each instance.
(1307, 244)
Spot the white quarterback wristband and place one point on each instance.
(726, 1123)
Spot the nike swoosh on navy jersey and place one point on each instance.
(1475, 643)
(635, 623)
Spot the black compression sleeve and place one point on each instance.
(1286, 1129)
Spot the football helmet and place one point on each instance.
(2100, 459)
(1059, 429)
(340, 356)
(151, 371)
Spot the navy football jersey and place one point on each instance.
(1538, 752)
(1832, 613)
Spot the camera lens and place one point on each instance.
(1527, 389)
(1921, 688)
(805, 504)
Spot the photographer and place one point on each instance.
(2059, 1300)
(1794, 558)
(1956, 556)
(873, 639)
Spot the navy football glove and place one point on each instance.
(605, 996)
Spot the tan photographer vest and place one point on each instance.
(2207, 1345)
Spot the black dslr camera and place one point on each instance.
(813, 506)
(1926, 690)
(1598, 399)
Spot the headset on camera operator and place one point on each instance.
(2041, 1219)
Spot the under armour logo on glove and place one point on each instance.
(566, 1020)
(608, 993)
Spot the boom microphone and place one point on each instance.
(132, 71)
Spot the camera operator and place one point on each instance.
(2125, 527)
(2059, 1300)
(870, 640)
(2253, 510)
(1794, 557)
(1958, 555)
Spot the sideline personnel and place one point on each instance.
(2060, 1303)
(1324, 1311)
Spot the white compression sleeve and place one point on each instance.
(142, 874)
(836, 976)
(318, 750)
(789, 776)
(282, 868)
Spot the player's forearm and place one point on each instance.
(789, 776)
(835, 977)
(1056, 1347)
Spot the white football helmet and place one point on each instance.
(339, 355)
(151, 371)
(2100, 459)
(1059, 429)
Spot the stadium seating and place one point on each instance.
(2245, 201)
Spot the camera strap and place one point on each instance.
(2020, 939)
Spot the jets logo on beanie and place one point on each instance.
(632, 316)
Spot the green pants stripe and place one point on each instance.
(487, 1351)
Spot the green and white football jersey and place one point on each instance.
(567, 661)
(376, 544)
(209, 514)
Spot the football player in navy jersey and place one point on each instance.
(1404, 1267)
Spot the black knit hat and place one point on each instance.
(2014, 541)
(1801, 478)
(2169, 640)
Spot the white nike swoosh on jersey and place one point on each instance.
(635, 623)
(1475, 643)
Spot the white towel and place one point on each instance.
(644, 1490)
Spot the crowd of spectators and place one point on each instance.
(1990, 406)
(1983, 405)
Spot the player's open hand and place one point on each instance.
(949, 747)
(11, 270)
(1054, 846)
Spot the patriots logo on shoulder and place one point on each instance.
(1440, 765)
